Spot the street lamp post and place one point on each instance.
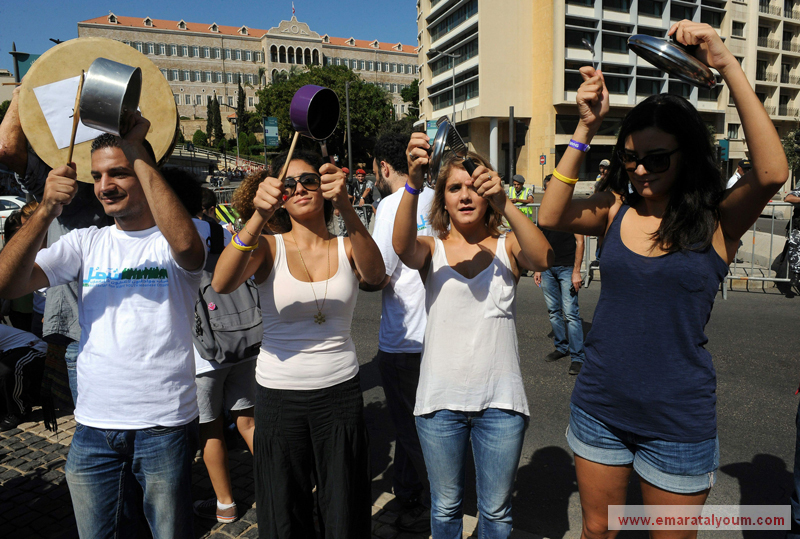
(235, 122)
(433, 53)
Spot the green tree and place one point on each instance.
(199, 138)
(370, 107)
(410, 95)
(3, 109)
(219, 134)
(210, 118)
(792, 149)
(240, 100)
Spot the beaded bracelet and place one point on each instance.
(241, 246)
(569, 181)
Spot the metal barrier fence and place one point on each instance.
(738, 270)
(224, 194)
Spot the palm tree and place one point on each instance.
(261, 72)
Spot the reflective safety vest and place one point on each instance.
(523, 194)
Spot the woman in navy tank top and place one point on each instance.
(645, 400)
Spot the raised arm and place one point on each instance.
(415, 252)
(363, 251)
(235, 266)
(171, 217)
(559, 211)
(19, 274)
(13, 145)
(528, 245)
(743, 203)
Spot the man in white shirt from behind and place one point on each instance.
(403, 321)
(137, 282)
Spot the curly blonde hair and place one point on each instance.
(438, 216)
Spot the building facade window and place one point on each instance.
(733, 131)
(162, 49)
(187, 99)
(164, 72)
(173, 50)
(206, 52)
(248, 56)
(177, 99)
(174, 74)
(238, 54)
(138, 46)
(186, 75)
(250, 102)
(196, 51)
(198, 99)
(196, 77)
(151, 48)
(230, 101)
(207, 77)
(454, 19)
(737, 30)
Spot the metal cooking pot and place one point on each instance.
(314, 111)
(674, 58)
(110, 94)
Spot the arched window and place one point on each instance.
(273, 53)
(308, 57)
(315, 57)
(291, 55)
(282, 53)
(274, 74)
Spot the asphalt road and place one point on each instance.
(754, 340)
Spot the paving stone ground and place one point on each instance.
(35, 501)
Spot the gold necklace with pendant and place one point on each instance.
(319, 318)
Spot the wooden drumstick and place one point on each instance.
(76, 118)
(285, 168)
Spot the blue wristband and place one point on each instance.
(580, 146)
(414, 191)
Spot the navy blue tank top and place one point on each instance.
(647, 370)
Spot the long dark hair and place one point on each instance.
(692, 213)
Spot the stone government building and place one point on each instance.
(201, 60)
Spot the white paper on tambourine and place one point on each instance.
(57, 100)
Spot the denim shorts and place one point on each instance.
(679, 467)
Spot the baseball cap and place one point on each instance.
(605, 163)
(745, 164)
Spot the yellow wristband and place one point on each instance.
(239, 245)
(568, 181)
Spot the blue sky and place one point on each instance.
(30, 23)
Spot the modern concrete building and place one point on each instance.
(201, 60)
(530, 52)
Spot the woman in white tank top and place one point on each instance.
(309, 411)
(470, 386)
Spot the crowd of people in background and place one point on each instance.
(254, 324)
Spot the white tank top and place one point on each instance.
(296, 352)
(470, 359)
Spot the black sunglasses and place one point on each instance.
(654, 163)
(308, 180)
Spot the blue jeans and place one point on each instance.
(562, 306)
(71, 359)
(104, 467)
(496, 437)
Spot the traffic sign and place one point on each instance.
(542, 159)
(271, 139)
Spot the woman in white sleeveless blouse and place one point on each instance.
(470, 386)
(309, 411)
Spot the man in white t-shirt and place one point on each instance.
(137, 281)
(403, 320)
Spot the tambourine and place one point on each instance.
(47, 99)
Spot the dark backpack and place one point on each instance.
(227, 326)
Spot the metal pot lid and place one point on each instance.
(673, 58)
(437, 149)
